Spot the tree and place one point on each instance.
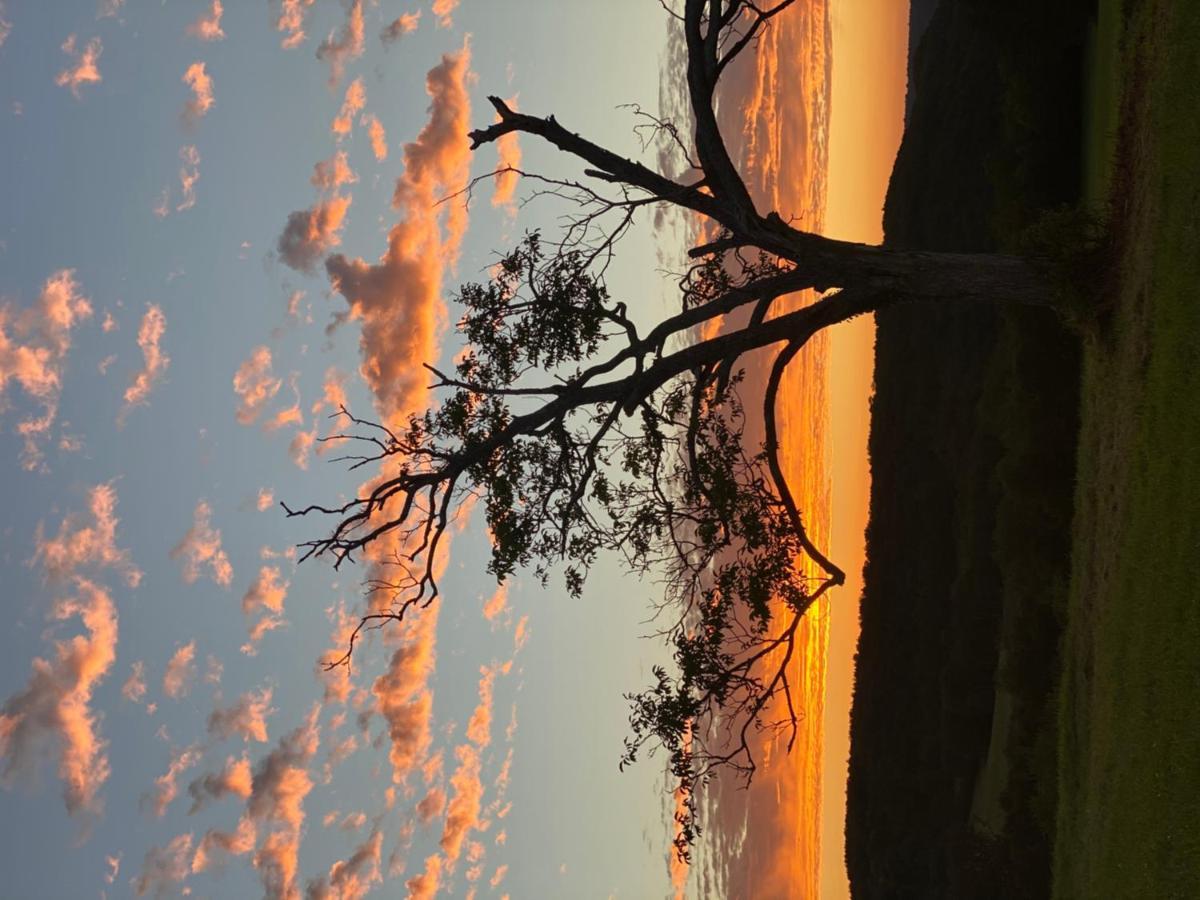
(582, 435)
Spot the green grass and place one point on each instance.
(1129, 724)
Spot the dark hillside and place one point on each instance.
(972, 453)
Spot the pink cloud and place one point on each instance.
(83, 68)
(398, 300)
(310, 233)
(255, 385)
(265, 498)
(442, 9)
(404, 24)
(508, 150)
(347, 45)
(352, 105)
(155, 362)
(233, 780)
(208, 26)
(165, 788)
(55, 704)
(35, 355)
(235, 843)
(403, 697)
(196, 77)
(180, 671)
(300, 446)
(377, 135)
(351, 879)
(189, 174)
(330, 174)
(425, 885)
(134, 688)
(165, 867)
(496, 604)
(201, 548)
(264, 602)
(290, 21)
(247, 717)
(82, 542)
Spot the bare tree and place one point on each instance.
(583, 435)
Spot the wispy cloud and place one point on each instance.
(232, 781)
(155, 361)
(255, 385)
(404, 24)
(378, 136)
(344, 45)
(208, 26)
(163, 868)
(165, 788)
(290, 21)
(311, 233)
(180, 671)
(263, 602)
(443, 10)
(246, 717)
(84, 68)
(352, 878)
(201, 549)
(353, 103)
(508, 150)
(197, 78)
(189, 174)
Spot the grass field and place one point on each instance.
(1129, 733)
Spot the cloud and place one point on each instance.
(237, 843)
(398, 300)
(80, 542)
(255, 384)
(508, 149)
(208, 26)
(108, 8)
(34, 355)
(55, 704)
(264, 600)
(201, 547)
(330, 174)
(134, 688)
(497, 603)
(279, 786)
(247, 717)
(265, 498)
(83, 68)
(196, 77)
(431, 805)
(165, 867)
(310, 233)
(189, 174)
(442, 9)
(114, 868)
(233, 780)
(351, 879)
(165, 789)
(155, 362)
(352, 105)
(403, 697)
(425, 885)
(347, 45)
(290, 21)
(180, 671)
(397, 28)
(5, 25)
(377, 135)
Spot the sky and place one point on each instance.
(174, 177)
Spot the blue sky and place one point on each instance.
(80, 178)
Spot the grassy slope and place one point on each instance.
(1129, 777)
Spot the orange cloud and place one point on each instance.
(405, 24)
(197, 78)
(55, 704)
(398, 300)
(164, 867)
(442, 9)
(508, 150)
(425, 885)
(264, 599)
(208, 26)
(35, 355)
(291, 21)
(247, 717)
(181, 669)
(236, 843)
(83, 68)
(479, 727)
(81, 543)
(347, 45)
(310, 233)
(255, 384)
(155, 362)
(201, 547)
(330, 174)
(498, 877)
(300, 444)
(352, 878)
(377, 135)
(165, 789)
(264, 499)
(189, 174)
(352, 105)
(496, 604)
(233, 780)
(134, 688)
(403, 697)
(280, 784)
